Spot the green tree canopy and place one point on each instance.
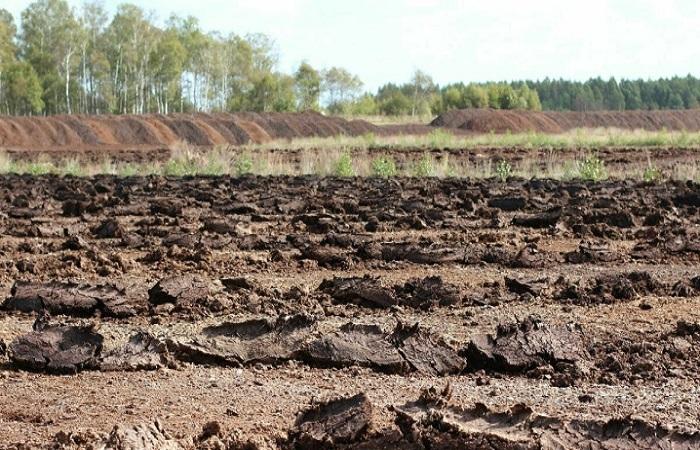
(423, 88)
(49, 42)
(307, 82)
(8, 30)
(22, 89)
(341, 87)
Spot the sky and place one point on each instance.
(460, 40)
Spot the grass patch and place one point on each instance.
(393, 120)
(382, 156)
(243, 166)
(347, 163)
(424, 167)
(441, 138)
(384, 166)
(343, 166)
(592, 168)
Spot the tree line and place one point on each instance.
(595, 94)
(599, 94)
(64, 61)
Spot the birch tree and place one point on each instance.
(167, 61)
(8, 50)
(131, 40)
(423, 87)
(307, 82)
(49, 42)
(94, 66)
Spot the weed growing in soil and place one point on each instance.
(341, 156)
(182, 162)
(179, 168)
(343, 166)
(424, 167)
(244, 164)
(107, 167)
(592, 169)
(651, 174)
(384, 166)
(504, 170)
(215, 162)
(40, 167)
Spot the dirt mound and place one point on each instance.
(179, 292)
(57, 348)
(142, 352)
(649, 357)
(415, 253)
(264, 341)
(143, 436)
(530, 346)
(424, 352)
(327, 424)
(434, 421)
(71, 299)
(610, 288)
(157, 131)
(355, 345)
(519, 121)
(407, 349)
(422, 293)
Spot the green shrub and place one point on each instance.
(651, 174)
(424, 167)
(592, 168)
(384, 166)
(243, 165)
(215, 162)
(180, 167)
(343, 166)
(35, 168)
(504, 170)
(214, 167)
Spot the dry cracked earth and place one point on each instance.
(309, 313)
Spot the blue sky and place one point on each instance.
(453, 40)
